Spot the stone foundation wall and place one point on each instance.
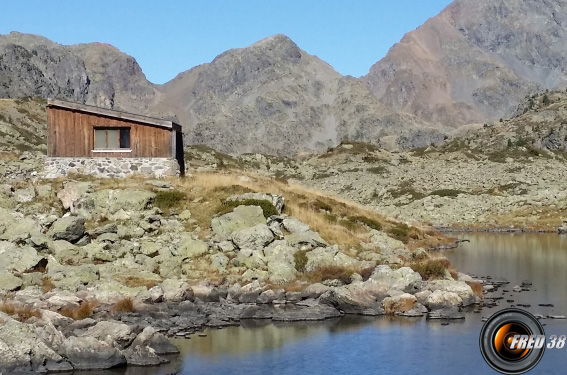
(110, 167)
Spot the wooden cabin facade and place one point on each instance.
(83, 131)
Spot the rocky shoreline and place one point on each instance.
(48, 342)
(99, 274)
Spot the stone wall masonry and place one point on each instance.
(110, 167)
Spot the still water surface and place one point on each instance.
(388, 345)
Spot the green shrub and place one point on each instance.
(267, 207)
(432, 269)
(340, 273)
(400, 232)
(331, 218)
(448, 192)
(166, 200)
(546, 100)
(300, 258)
(377, 170)
(371, 223)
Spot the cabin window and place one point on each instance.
(112, 138)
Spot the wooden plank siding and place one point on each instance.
(71, 134)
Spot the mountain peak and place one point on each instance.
(475, 61)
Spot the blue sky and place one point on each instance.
(170, 36)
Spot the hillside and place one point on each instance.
(475, 61)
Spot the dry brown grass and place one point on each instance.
(401, 305)
(83, 311)
(337, 220)
(320, 274)
(135, 281)
(47, 284)
(22, 313)
(123, 305)
(476, 288)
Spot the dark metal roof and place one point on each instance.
(113, 114)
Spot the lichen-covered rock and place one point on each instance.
(403, 279)
(241, 217)
(155, 340)
(281, 263)
(363, 298)
(21, 349)
(255, 237)
(294, 225)
(329, 256)
(72, 277)
(18, 258)
(18, 231)
(309, 237)
(112, 332)
(9, 282)
(441, 300)
(461, 288)
(190, 248)
(176, 290)
(25, 195)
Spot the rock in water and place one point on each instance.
(88, 353)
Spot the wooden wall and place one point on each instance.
(71, 134)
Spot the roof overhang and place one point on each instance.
(113, 114)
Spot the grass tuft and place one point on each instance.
(476, 288)
(22, 313)
(300, 258)
(83, 311)
(47, 284)
(123, 305)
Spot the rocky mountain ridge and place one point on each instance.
(271, 97)
(475, 61)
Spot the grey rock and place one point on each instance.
(18, 258)
(9, 282)
(70, 228)
(159, 343)
(112, 332)
(88, 353)
(254, 237)
(293, 225)
(241, 217)
(403, 279)
(25, 195)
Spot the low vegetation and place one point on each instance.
(343, 274)
(83, 311)
(47, 284)
(22, 313)
(267, 207)
(476, 288)
(452, 193)
(431, 269)
(300, 258)
(123, 305)
(166, 200)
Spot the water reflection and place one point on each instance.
(540, 258)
